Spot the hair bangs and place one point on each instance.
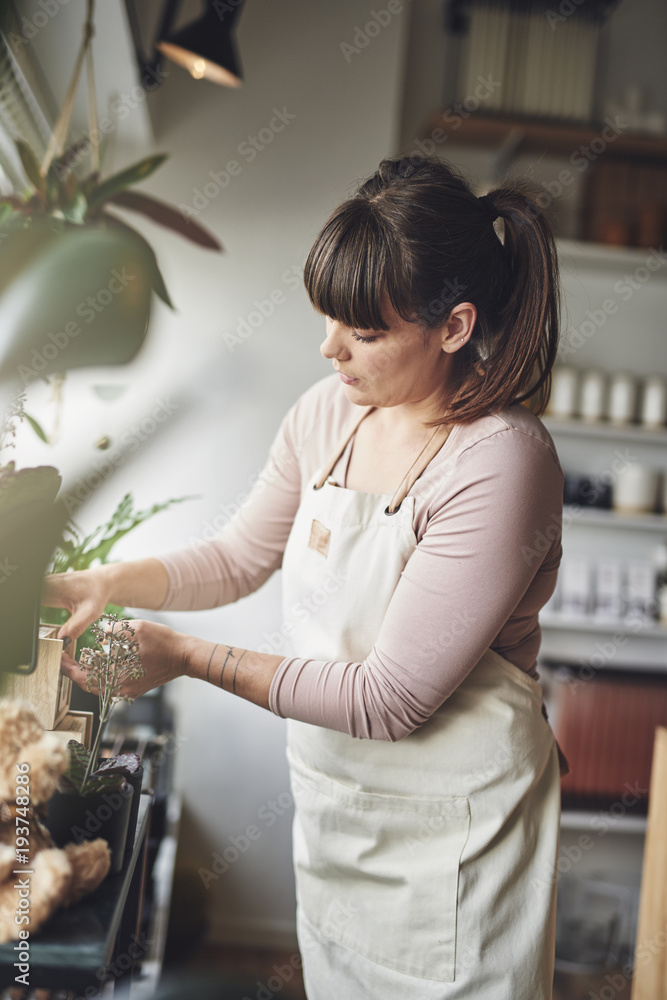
(351, 269)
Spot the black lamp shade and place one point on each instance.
(206, 48)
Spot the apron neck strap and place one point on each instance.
(432, 448)
(330, 465)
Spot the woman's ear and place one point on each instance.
(457, 331)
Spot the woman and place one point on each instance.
(414, 506)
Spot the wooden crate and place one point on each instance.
(45, 688)
(78, 726)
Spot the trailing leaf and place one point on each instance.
(155, 274)
(118, 182)
(37, 427)
(74, 778)
(167, 216)
(123, 763)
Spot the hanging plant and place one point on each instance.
(60, 246)
(59, 241)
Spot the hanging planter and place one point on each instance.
(68, 264)
(76, 289)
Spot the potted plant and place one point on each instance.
(59, 242)
(95, 797)
(77, 551)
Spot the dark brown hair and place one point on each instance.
(415, 232)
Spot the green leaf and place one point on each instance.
(157, 281)
(167, 216)
(72, 779)
(31, 166)
(131, 175)
(76, 210)
(38, 429)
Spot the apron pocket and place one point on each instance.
(378, 874)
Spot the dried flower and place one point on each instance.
(115, 661)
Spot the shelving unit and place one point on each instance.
(604, 431)
(589, 448)
(576, 819)
(597, 517)
(605, 626)
(529, 135)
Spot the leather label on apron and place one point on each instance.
(319, 538)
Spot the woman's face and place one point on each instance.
(402, 365)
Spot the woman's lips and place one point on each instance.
(346, 379)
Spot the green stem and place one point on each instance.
(92, 760)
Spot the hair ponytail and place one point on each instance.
(520, 348)
(416, 232)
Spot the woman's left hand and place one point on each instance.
(163, 655)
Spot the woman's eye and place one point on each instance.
(364, 340)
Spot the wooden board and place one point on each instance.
(650, 972)
(45, 688)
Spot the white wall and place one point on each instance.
(228, 404)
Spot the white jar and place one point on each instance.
(592, 395)
(654, 402)
(635, 488)
(622, 398)
(564, 386)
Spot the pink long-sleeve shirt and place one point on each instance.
(486, 560)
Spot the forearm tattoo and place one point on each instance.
(230, 652)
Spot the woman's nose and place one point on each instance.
(333, 345)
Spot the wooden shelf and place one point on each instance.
(598, 517)
(587, 255)
(532, 135)
(575, 819)
(610, 432)
(604, 626)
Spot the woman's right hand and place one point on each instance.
(84, 593)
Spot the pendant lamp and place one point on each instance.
(207, 47)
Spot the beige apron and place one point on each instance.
(425, 868)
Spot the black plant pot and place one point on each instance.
(135, 779)
(73, 818)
